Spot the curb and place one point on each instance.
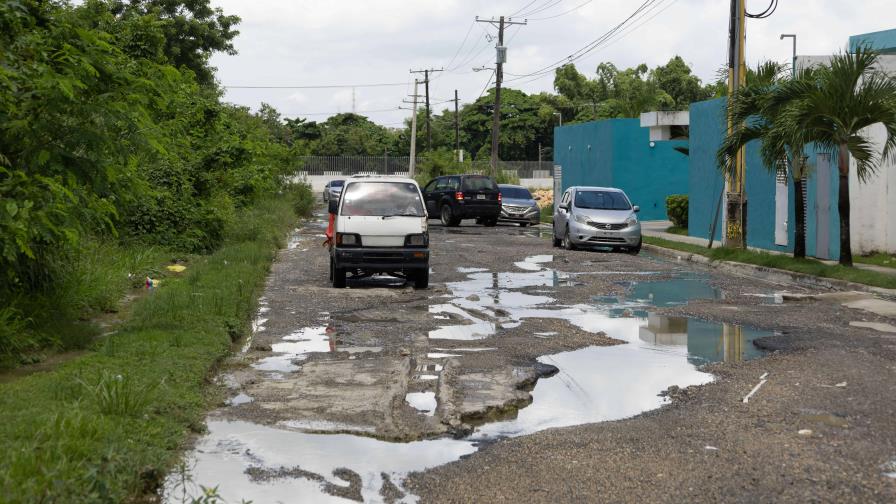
(771, 274)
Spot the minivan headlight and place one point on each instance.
(632, 220)
(581, 219)
(348, 240)
(416, 240)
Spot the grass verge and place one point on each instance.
(677, 230)
(807, 266)
(877, 259)
(108, 426)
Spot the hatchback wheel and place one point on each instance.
(567, 243)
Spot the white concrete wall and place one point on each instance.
(872, 210)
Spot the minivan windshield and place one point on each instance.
(386, 199)
(479, 183)
(516, 193)
(602, 200)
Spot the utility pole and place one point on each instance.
(792, 61)
(457, 129)
(735, 234)
(426, 73)
(412, 164)
(353, 101)
(501, 58)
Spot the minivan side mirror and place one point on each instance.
(636, 209)
(333, 206)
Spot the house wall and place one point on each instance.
(617, 153)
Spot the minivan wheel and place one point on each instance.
(636, 249)
(567, 243)
(524, 224)
(421, 279)
(337, 275)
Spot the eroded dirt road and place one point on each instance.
(527, 373)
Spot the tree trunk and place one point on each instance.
(799, 247)
(843, 206)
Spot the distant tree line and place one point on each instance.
(528, 121)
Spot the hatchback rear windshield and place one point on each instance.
(382, 199)
(337, 183)
(479, 183)
(515, 193)
(602, 200)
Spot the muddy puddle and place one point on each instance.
(288, 463)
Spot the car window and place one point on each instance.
(381, 199)
(442, 184)
(479, 183)
(515, 193)
(602, 200)
(454, 183)
(431, 186)
(566, 197)
(337, 183)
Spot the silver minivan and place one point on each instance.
(596, 217)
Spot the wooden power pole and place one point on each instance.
(735, 231)
(457, 128)
(426, 73)
(501, 58)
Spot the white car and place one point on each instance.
(380, 226)
(597, 217)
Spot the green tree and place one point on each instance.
(832, 110)
(354, 135)
(757, 115)
(676, 80)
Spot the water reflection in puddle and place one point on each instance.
(424, 402)
(223, 456)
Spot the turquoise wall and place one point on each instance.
(706, 184)
(882, 41)
(617, 153)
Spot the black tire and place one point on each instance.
(447, 216)
(338, 276)
(567, 243)
(524, 224)
(490, 222)
(421, 279)
(636, 249)
(556, 241)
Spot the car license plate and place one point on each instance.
(480, 196)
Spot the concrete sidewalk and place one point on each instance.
(657, 229)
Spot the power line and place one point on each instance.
(462, 44)
(322, 86)
(586, 2)
(547, 5)
(521, 9)
(579, 53)
(772, 7)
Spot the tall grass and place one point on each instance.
(80, 434)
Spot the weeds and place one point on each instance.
(82, 434)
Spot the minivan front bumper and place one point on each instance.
(381, 259)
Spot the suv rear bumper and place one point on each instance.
(478, 211)
(381, 259)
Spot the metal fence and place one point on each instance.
(345, 166)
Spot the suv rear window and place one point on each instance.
(382, 199)
(479, 183)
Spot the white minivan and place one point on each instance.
(379, 227)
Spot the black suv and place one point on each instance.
(457, 197)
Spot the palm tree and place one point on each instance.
(755, 110)
(832, 108)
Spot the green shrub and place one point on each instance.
(677, 209)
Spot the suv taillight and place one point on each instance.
(499, 197)
(459, 196)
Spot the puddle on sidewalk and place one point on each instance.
(424, 402)
(534, 263)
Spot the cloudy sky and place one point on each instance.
(362, 42)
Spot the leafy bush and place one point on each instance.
(677, 209)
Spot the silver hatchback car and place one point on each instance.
(596, 217)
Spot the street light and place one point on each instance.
(793, 63)
(560, 115)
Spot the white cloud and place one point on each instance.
(310, 42)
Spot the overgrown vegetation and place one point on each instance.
(116, 154)
(783, 262)
(107, 427)
(677, 209)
